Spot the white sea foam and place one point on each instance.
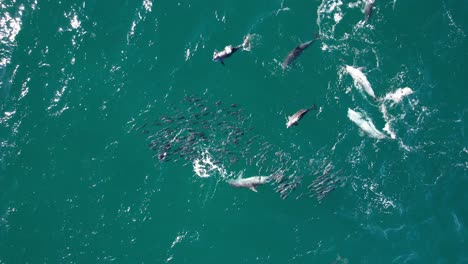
(140, 16)
(74, 22)
(147, 4)
(337, 17)
(187, 54)
(387, 128)
(204, 166)
(194, 46)
(395, 97)
(182, 237)
(179, 238)
(398, 95)
(10, 26)
(329, 14)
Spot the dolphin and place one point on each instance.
(250, 182)
(365, 124)
(229, 50)
(360, 79)
(368, 9)
(294, 119)
(296, 52)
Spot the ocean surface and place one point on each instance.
(119, 134)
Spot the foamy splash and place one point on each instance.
(395, 97)
(74, 22)
(329, 11)
(140, 15)
(7, 116)
(147, 4)
(205, 166)
(10, 26)
(387, 128)
(398, 95)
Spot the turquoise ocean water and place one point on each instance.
(118, 133)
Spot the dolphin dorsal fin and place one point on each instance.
(362, 68)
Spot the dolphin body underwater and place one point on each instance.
(365, 124)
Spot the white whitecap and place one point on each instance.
(147, 4)
(329, 14)
(387, 128)
(74, 22)
(204, 166)
(337, 17)
(10, 26)
(187, 54)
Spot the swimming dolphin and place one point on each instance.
(250, 182)
(365, 124)
(229, 50)
(294, 119)
(368, 9)
(361, 80)
(296, 52)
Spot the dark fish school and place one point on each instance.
(180, 136)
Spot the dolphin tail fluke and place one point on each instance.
(314, 107)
